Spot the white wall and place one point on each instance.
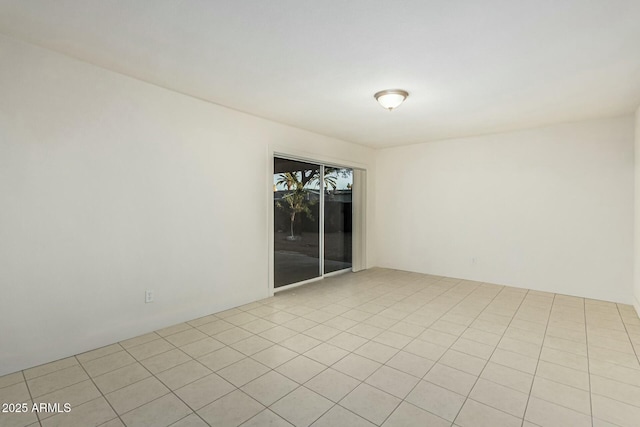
(110, 186)
(549, 209)
(636, 288)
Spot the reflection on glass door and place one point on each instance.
(338, 184)
(297, 199)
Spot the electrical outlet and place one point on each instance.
(148, 296)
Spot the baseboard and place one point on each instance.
(636, 304)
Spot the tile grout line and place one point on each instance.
(448, 348)
(586, 334)
(347, 351)
(633, 347)
(48, 373)
(299, 385)
(59, 389)
(101, 394)
(323, 370)
(524, 415)
(26, 383)
(270, 370)
(491, 355)
(357, 379)
(435, 362)
(297, 388)
(579, 371)
(76, 383)
(168, 388)
(371, 299)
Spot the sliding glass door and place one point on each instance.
(338, 183)
(296, 220)
(312, 220)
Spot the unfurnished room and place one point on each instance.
(320, 213)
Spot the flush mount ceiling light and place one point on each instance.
(391, 98)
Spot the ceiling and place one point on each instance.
(471, 67)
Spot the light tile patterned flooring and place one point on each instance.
(379, 347)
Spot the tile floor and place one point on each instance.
(379, 347)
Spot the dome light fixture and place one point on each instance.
(391, 98)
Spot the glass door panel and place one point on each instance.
(338, 218)
(296, 207)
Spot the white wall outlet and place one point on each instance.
(473, 261)
(148, 296)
